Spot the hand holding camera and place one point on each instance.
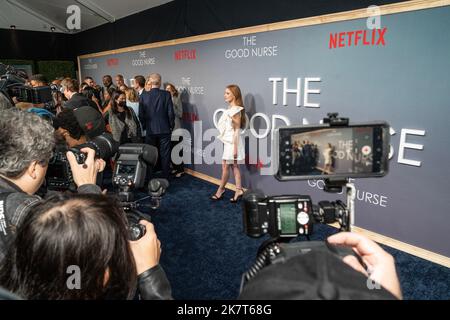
(146, 250)
(84, 166)
(380, 264)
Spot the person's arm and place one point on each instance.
(178, 108)
(142, 112)
(138, 123)
(170, 112)
(152, 280)
(97, 103)
(236, 126)
(380, 264)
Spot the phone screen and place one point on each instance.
(355, 151)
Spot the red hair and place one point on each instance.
(236, 91)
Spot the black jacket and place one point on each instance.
(17, 205)
(78, 100)
(153, 285)
(156, 112)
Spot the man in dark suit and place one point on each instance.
(158, 119)
(74, 99)
(139, 84)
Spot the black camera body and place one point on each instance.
(131, 169)
(278, 216)
(289, 216)
(59, 175)
(34, 95)
(12, 83)
(129, 174)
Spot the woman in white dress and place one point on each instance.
(230, 125)
(328, 160)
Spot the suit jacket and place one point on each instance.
(156, 112)
(78, 100)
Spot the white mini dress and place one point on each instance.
(226, 131)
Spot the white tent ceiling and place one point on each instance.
(42, 15)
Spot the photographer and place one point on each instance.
(76, 126)
(38, 80)
(319, 274)
(380, 264)
(89, 232)
(26, 145)
(70, 88)
(4, 102)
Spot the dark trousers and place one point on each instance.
(178, 167)
(163, 143)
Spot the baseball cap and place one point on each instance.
(90, 120)
(316, 275)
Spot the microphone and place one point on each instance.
(150, 154)
(157, 187)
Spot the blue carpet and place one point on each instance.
(205, 251)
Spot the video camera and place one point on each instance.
(129, 174)
(59, 175)
(12, 84)
(334, 151)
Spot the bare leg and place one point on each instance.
(237, 179)
(224, 179)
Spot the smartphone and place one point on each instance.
(323, 151)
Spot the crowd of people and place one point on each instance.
(42, 238)
(306, 154)
(132, 114)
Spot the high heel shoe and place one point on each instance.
(214, 197)
(236, 199)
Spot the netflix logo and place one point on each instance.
(185, 54)
(112, 62)
(373, 37)
(190, 117)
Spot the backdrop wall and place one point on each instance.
(398, 73)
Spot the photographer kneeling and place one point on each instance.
(88, 233)
(26, 145)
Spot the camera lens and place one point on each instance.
(136, 231)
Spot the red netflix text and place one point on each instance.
(374, 37)
(112, 62)
(190, 117)
(185, 54)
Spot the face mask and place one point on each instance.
(122, 104)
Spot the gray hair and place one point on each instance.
(4, 102)
(24, 137)
(154, 79)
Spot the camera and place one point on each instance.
(12, 84)
(129, 174)
(135, 229)
(334, 151)
(288, 216)
(59, 175)
(131, 164)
